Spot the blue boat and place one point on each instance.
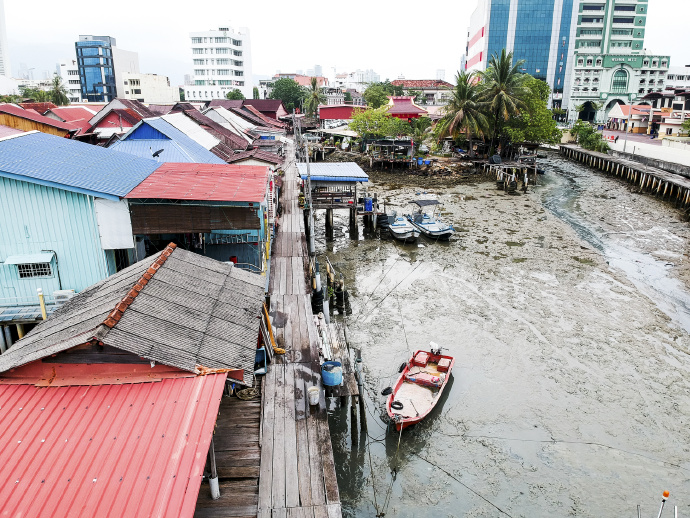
(401, 229)
(430, 224)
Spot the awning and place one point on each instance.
(42, 257)
(426, 203)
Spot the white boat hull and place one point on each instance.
(406, 236)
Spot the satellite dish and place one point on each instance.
(157, 153)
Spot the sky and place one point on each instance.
(409, 38)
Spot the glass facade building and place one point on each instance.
(536, 31)
(96, 68)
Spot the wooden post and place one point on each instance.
(213, 479)
(353, 419)
(20, 330)
(329, 223)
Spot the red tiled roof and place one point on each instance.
(421, 83)
(32, 116)
(403, 104)
(257, 154)
(637, 109)
(41, 108)
(302, 80)
(110, 450)
(209, 182)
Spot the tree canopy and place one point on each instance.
(535, 122)
(587, 136)
(255, 92)
(288, 91)
(315, 97)
(376, 94)
(58, 91)
(378, 123)
(235, 95)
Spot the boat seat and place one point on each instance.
(443, 364)
(421, 359)
(424, 379)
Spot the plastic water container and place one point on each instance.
(368, 205)
(427, 162)
(313, 395)
(420, 161)
(332, 373)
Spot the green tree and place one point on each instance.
(588, 137)
(421, 128)
(58, 91)
(534, 123)
(464, 113)
(685, 127)
(255, 93)
(235, 95)
(378, 123)
(417, 95)
(35, 94)
(288, 91)
(182, 97)
(504, 91)
(375, 95)
(315, 97)
(348, 97)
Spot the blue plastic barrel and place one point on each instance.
(368, 205)
(420, 161)
(332, 373)
(427, 162)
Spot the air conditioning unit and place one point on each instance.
(62, 296)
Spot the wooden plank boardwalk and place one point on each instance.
(297, 471)
(238, 456)
(672, 187)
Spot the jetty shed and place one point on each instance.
(64, 222)
(221, 211)
(333, 184)
(110, 404)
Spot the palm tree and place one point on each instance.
(315, 97)
(58, 92)
(464, 113)
(504, 91)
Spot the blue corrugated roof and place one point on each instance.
(72, 165)
(179, 147)
(333, 172)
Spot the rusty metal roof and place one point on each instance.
(177, 308)
(135, 449)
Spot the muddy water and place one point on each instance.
(567, 312)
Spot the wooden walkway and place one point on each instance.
(670, 186)
(237, 450)
(297, 472)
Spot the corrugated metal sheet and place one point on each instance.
(72, 165)
(107, 450)
(191, 129)
(209, 182)
(35, 218)
(336, 171)
(145, 136)
(161, 218)
(30, 258)
(30, 115)
(6, 131)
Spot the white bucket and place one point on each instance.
(313, 395)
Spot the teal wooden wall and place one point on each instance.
(34, 218)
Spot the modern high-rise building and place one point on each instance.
(537, 31)
(96, 68)
(222, 61)
(69, 72)
(609, 64)
(5, 69)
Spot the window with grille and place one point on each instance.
(620, 82)
(31, 270)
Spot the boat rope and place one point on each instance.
(374, 291)
(394, 474)
(248, 393)
(371, 473)
(393, 289)
(462, 484)
(566, 441)
(402, 323)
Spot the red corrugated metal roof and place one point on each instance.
(268, 121)
(73, 113)
(211, 182)
(6, 131)
(107, 450)
(40, 108)
(30, 115)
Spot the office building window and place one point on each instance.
(620, 19)
(221, 40)
(624, 8)
(619, 84)
(237, 43)
(222, 50)
(197, 40)
(197, 51)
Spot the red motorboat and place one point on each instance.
(419, 387)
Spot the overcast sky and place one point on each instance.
(411, 38)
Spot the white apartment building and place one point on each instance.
(678, 78)
(222, 62)
(148, 88)
(69, 72)
(357, 80)
(5, 69)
